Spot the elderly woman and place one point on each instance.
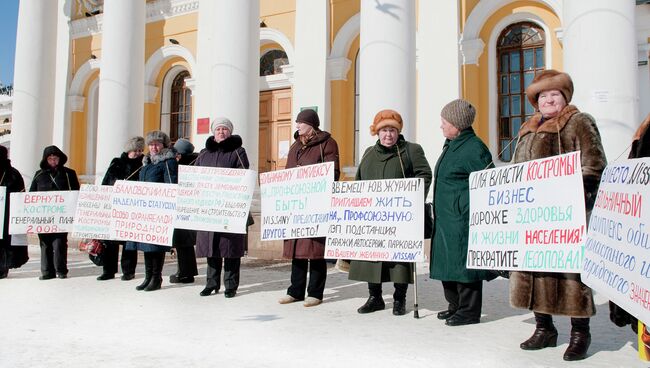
(11, 256)
(158, 166)
(222, 149)
(312, 146)
(124, 167)
(391, 157)
(462, 154)
(556, 129)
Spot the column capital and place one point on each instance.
(190, 83)
(471, 50)
(76, 103)
(337, 68)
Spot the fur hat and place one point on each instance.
(217, 122)
(547, 80)
(459, 113)
(134, 144)
(160, 136)
(183, 146)
(309, 117)
(386, 118)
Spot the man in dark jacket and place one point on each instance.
(54, 176)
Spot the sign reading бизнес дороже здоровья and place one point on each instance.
(617, 249)
(528, 216)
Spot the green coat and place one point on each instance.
(379, 162)
(460, 156)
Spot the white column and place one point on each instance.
(33, 103)
(438, 29)
(61, 123)
(234, 69)
(121, 79)
(311, 86)
(387, 64)
(600, 55)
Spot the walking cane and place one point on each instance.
(416, 314)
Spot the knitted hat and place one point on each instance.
(547, 80)
(160, 136)
(134, 144)
(386, 118)
(217, 122)
(459, 113)
(310, 117)
(183, 146)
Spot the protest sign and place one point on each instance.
(42, 212)
(93, 214)
(143, 212)
(377, 220)
(528, 216)
(617, 258)
(214, 198)
(296, 202)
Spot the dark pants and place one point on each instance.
(464, 298)
(230, 273)
(186, 261)
(4, 261)
(317, 278)
(129, 259)
(543, 320)
(54, 254)
(398, 294)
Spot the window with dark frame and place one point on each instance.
(520, 56)
(180, 116)
(272, 61)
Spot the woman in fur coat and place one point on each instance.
(558, 128)
(158, 166)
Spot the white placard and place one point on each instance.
(93, 214)
(42, 212)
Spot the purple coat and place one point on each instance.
(227, 153)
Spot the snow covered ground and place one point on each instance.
(81, 322)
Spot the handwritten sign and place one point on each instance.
(617, 260)
(296, 202)
(143, 212)
(214, 198)
(528, 216)
(93, 214)
(42, 212)
(377, 220)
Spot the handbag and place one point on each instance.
(94, 248)
(428, 220)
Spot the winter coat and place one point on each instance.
(571, 130)
(321, 148)
(228, 153)
(460, 157)
(185, 237)
(122, 168)
(380, 162)
(10, 178)
(160, 168)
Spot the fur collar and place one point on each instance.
(318, 138)
(165, 154)
(553, 125)
(227, 145)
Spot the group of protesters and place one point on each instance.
(557, 127)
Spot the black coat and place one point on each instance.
(122, 168)
(10, 178)
(185, 237)
(227, 153)
(58, 178)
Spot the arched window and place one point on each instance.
(271, 62)
(520, 53)
(180, 116)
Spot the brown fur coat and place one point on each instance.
(559, 293)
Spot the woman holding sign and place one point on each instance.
(462, 154)
(10, 178)
(54, 176)
(158, 166)
(392, 157)
(222, 149)
(558, 128)
(311, 146)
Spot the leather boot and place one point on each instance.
(578, 346)
(373, 304)
(543, 337)
(156, 274)
(148, 270)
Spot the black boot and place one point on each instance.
(156, 274)
(148, 270)
(579, 341)
(373, 304)
(545, 334)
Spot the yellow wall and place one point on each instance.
(279, 15)
(475, 78)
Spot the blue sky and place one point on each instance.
(8, 21)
